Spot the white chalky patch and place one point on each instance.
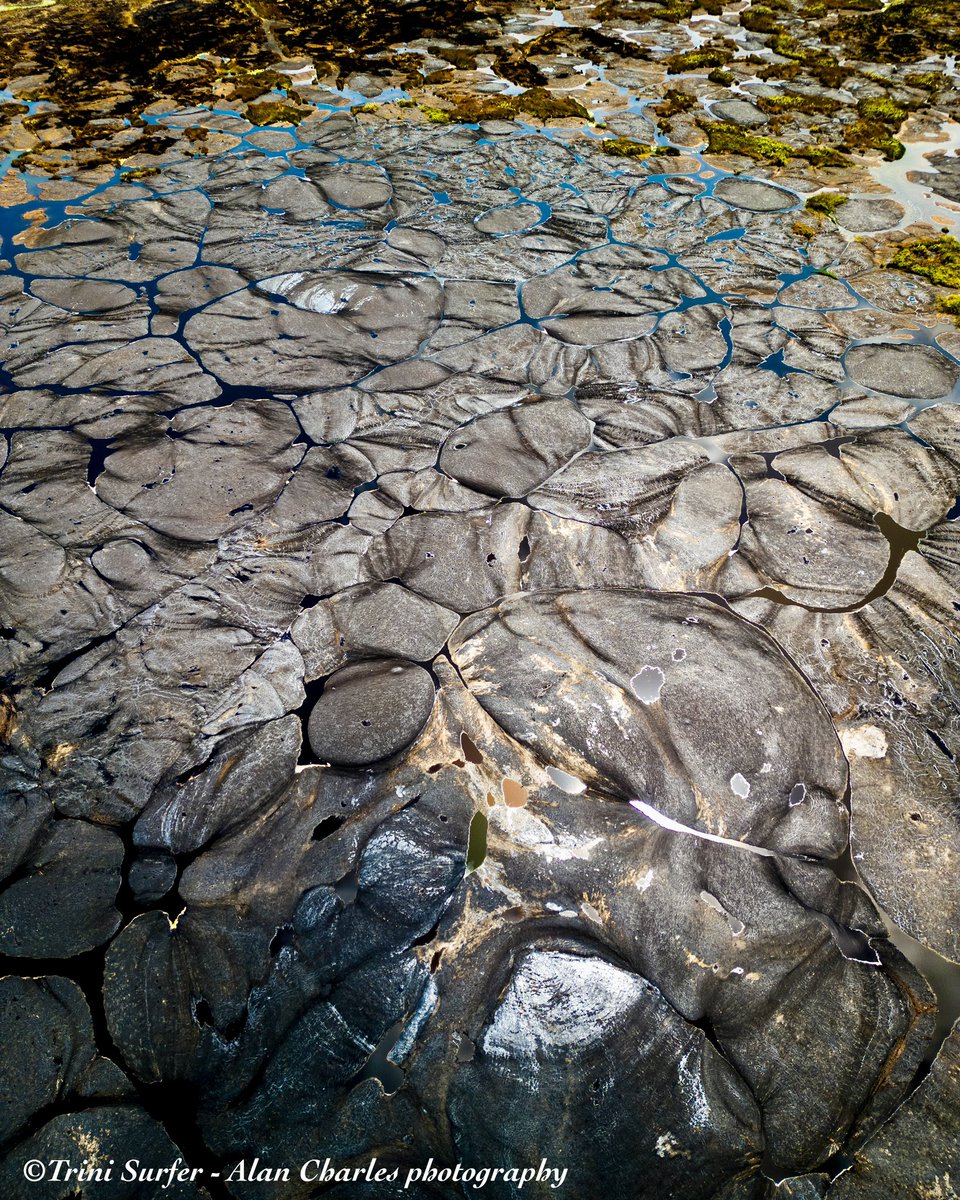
(863, 741)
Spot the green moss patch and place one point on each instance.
(723, 138)
(872, 135)
(758, 19)
(904, 32)
(937, 259)
(674, 10)
(463, 59)
(622, 147)
(439, 116)
(248, 85)
(814, 61)
(930, 81)
(674, 102)
(695, 60)
(543, 104)
(826, 203)
(881, 108)
(951, 305)
(538, 102)
(795, 102)
(274, 112)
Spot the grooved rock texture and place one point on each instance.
(478, 585)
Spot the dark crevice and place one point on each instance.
(283, 939)
(326, 827)
(44, 682)
(941, 745)
(99, 450)
(348, 888)
(176, 1105)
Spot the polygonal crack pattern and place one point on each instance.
(382, 511)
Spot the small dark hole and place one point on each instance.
(470, 751)
(327, 826)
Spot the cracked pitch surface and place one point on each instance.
(232, 473)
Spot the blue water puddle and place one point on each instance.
(775, 363)
(807, 271)
(14, 220)
(726, 235)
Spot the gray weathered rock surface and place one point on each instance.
(369, 711)
(386, 502)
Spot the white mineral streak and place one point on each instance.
(667, 823)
